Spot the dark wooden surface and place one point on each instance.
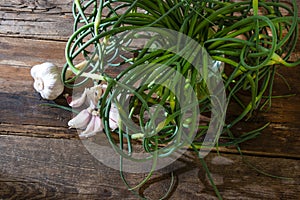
(41, 158)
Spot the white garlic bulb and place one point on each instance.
(47, 80)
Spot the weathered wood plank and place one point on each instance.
(37, 130)
(45, 19)
(36, 19)
(20, 52)
(22, 109)
(54, 168)
(35, 5)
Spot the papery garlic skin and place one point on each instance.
(47, 80)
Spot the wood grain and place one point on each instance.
(55, 168)
(20, 52)
(43, 19)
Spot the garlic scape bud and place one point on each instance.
(47, 80)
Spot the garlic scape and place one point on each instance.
(47, 80)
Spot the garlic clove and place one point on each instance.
(47, 80)
(78, 101)
(98, 124)
(94, 127)
(113, 117)
(81, 120)
(89, 131)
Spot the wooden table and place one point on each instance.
(41, 158)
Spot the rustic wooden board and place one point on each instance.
(41, 158)
(20, 52)
(55, 168)
(44, 19)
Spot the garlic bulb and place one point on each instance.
(47, 80)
